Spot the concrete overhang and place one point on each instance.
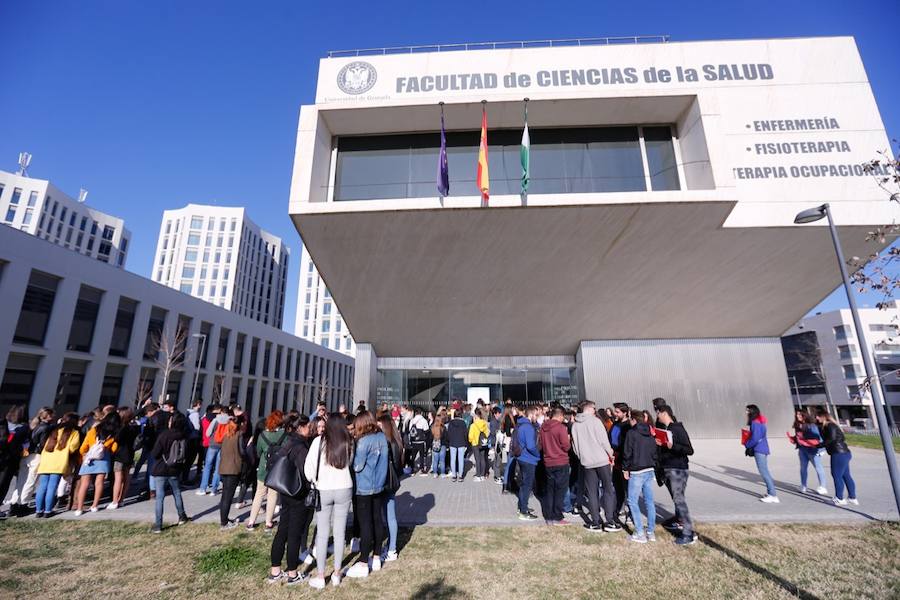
(419, 279)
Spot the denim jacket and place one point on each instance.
(370, 464)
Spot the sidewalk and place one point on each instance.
(724, 487)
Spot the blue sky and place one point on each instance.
(151, 105)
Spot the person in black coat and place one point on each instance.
(673, 460)
(164, 472)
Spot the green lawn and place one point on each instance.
(72, 559)
(869, 441)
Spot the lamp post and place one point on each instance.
(202, 337)
(824, 212)
(796, 391)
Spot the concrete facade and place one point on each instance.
(318, 318)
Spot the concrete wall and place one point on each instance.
(706, 381)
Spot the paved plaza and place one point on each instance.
(724, 487)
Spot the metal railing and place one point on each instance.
(601, 41)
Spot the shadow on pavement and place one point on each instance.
(438, 589)
(413, 510)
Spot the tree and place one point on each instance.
(322, 392)
(169, 354)
(144, 391)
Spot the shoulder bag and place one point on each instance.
(313, 499)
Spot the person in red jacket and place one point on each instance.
(555, 444)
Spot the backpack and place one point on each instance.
(273, 450)
(482, 440)
(95, 452)
(177, 451)
(416, 435)
(515, 448)
(219, 434)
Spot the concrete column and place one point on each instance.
(13, 282)
(55, 341)
(135, 353)
(365, 375)
(212, 348)
(96, 369)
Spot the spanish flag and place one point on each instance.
(483, 179)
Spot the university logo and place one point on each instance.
(357, 77)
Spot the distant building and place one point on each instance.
(318, 318)
(825, 367)
(38, 207)
(218, 254)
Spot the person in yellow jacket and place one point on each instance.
(97, 450)
(62, 443)
(478, 440)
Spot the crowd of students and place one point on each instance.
(317, 470)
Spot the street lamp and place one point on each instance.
(824, 212)
(197, 363)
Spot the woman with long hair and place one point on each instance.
(56, 457)
(229, 470)
(395, 470)
(123, 458)
(757, 446)
(273, 436)
(97, 450)
(438, 446)
(808, 440)
(38, 429)
(837, 448)
(327, 468)
(370, 464)
(14, 435)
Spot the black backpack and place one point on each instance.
(273, 450)
(515, 448)
(177, 451)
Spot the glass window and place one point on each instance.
(849, 371)
(186, 287)
(325, 342)
(347, 343)
(168, 227)
(104, 250)
(326, 308)
(32, 198)
(94, 228)
(661, 158)
(155, 326)
(193, 239)
(196, 222)
(26, 220)
(212, 290)
(83, 225)
(85, 319)
(190, 255)
(187, 271)
(201, 289)
(239, 352)
(17, 193)
(36, 308)
(10, 214)
(842, 332)
(326, 326)
(254, 352)
(121, 336)
(222, 351)
(72, 219)
(108, 232)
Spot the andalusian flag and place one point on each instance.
(525, 154)
(483, 179)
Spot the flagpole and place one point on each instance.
(484, 201)
(527, 173)
(441, 104)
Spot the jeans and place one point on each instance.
(390, 512)
(371, 527)
(557, 485)
(677, 479)
(526, 486)
(45, 497)
(811, 456)
(161, 496)
(335, 508)
(457, 461)
(642, 483)
(211, 467)
(840, 472)
(762, 463)
(480, 461)
(229, 485)
(593, 478)
(151, 480)
(290, 534)
(437, 460)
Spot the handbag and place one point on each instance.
(283, 476)
(313, 498)
(393, 478)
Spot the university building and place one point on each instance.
(653, 252)
(318, 318)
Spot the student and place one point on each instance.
(165, 471)
(479, 440)
(97, 451)
(395, 468)
(618, 432)
(757, 446)
(268, 444)
(195, 441)
(673, 459)
(229, 471)
(123, 457)
(370, 463)
(808, 439)
(327, 468)
(591, 443)
(205, 421)
(507, 427)
(14, 436)
(528, 458)
(213, 453)
(57, 453)
(638, 468)
(555, 445)
(438, 447)
(418, 440)
(495, 444)
(836, 446)
(36, 435)
(457, 439)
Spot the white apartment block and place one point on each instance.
(218, 254)
(75, 333)
(38, 207)
(836, 376)
(318, 318)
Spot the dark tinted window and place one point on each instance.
(36, 308)
(85, 319)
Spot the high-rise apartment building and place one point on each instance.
(218, 254)
(38, 207)
(318, 318)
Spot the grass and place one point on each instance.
(747, 562)
(869, 441)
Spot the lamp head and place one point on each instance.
(810, 215)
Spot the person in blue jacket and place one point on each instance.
(757, 446)
(526, 435)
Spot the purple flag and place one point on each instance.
(443, 174)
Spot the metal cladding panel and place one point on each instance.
(707, 382)
(476, 362)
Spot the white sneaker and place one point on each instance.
(804, 489)
(318, 582)
(200, 493)
(78, 513)
(359, 570)
(307, 558)
(335, 580)
(95, 509)
(853, 501)
(354, 545)
(839, 502)
(822, 490)
(112, 506)
(770, 499)
(376, 563)
(391, 556)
